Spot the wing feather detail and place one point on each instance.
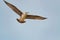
(15, 9)
(35, 17)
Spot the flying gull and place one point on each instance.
(23, 15)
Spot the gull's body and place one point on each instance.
(22, 15)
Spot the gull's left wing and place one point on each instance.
(15, 9)
(35, 17)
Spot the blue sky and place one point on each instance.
(48, 29)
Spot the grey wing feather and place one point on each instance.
(35, 17)
(14, 8)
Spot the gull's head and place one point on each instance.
(25, 13)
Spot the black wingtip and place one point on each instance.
(5, 2)
(44, 18)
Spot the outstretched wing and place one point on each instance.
(35, 17)
(14, 8)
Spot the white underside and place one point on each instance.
(23, 17)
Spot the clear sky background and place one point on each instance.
(48, 29)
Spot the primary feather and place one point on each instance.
(15, 9)
(35, 17)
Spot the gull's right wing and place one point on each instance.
(14, 8)
(35, 17)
